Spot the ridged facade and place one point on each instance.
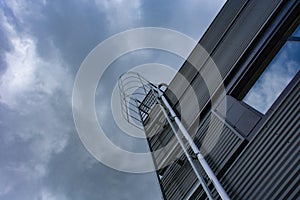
(255, 156)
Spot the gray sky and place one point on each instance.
(42, 44)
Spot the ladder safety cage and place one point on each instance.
(138, 97)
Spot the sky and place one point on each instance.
(42, 45)
(277, 75)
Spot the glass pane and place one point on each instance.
(296, 32)
(275, 78)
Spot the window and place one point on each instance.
(276, 76)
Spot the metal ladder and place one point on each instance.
(135, 88)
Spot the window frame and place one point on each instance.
(256, 59)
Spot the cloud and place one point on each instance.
(34, 94)
(47, 195)
(29, 84)
(120, 13)
(5, 189)
(44, 44)
(26, 71)
(189, 17)
(274, 79)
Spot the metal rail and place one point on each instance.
(194, 147)
(190, 159)
(135, 88)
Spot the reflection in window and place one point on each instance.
(296, 32)
(276, 76)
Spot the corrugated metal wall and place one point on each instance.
(179, 178)
(237, 27)
(269, 167)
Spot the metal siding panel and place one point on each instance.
(259, 145)
(228, 51)
(260, 164)
(278, 176)
(221, 150)
(222, 23)
(292, 192)
(242, 33)
(209, 40)
(276, 168)
(178, 179)
(271, 158)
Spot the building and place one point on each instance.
(253, 147)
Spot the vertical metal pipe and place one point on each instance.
(195, 149)
(199, 176)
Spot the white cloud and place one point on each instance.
(37, 90)
(21, 8)
(16, 6)
(5, 189)
(120, 13)
(32, 88)
(47, 195)
(273, 81)
(26, 71)
(21, 65)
